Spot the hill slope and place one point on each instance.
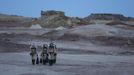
(14, 21)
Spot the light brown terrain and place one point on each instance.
(100, 44)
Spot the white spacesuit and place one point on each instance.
(33, 54)
(52, 53)
(44, 54)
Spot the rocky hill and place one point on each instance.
(14, 21)
(58, 18)
(107, 16)
(54, 19)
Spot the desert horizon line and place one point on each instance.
(11, 14)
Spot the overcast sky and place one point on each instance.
(80, 8)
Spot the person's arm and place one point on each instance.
(30, 51)
(56, 49)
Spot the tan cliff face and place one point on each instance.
(52, 13)
(56, 19)
(52, 19)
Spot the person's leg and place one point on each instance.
(33, 61)
(40, 60)
(44, 62)
(54, 61)
(47, 58)
(37, 60)
(50, 62)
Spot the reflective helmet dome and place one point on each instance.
(33, 47)
(45, 45)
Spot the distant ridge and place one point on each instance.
(53, 19)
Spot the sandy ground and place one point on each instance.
(81, 47)
(67, 64)
(74, 57)
(24, 30)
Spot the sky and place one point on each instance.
(79, 8)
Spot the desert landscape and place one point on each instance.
(99, 44)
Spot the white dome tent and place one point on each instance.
(60, 28)
(36, 26)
